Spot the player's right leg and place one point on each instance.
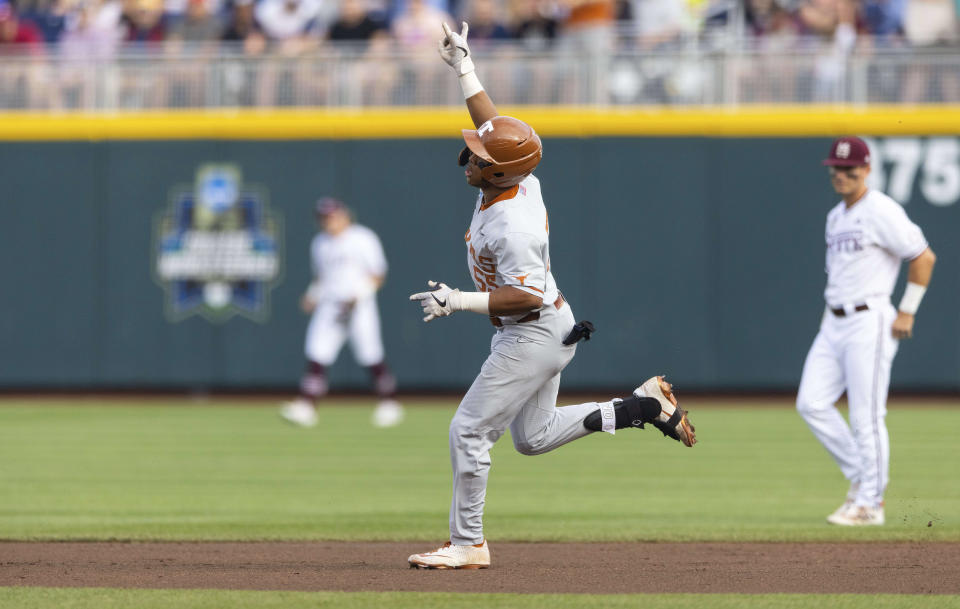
(506, 381)
(313, 384)
(821, 385)
(512, 373)
(325, 338)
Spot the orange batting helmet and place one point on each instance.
(510, 148)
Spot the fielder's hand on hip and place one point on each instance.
(903, 325)
(454, 50)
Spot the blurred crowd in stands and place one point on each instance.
(98, 30)
(290, 27)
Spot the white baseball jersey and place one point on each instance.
(853, 353)
(508, 244)
(344, 264)
(865, 246)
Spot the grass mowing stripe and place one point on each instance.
(104, 598)
(71, 470)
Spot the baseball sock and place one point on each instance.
(384, 381)
(313, 384)
(628, 412)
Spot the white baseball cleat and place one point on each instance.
(450, 556)
(673, 420)
(847, 504)
(838, 515)
(387, 414)
(859, 516)
(299, 412)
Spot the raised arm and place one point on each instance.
(456, 53)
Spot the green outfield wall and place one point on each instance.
(697, 256)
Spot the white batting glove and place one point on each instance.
(440, 301)
(454, 50)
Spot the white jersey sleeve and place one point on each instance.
(345, 264)
(373, 257)
(866, 246)
(508, 244)
(896, 232)
(521, 258)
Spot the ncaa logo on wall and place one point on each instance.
(217, 247)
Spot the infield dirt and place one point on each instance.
(915, 568)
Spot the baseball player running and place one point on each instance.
(349, 267)
(868, 235)
(508, 259)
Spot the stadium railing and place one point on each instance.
(697, 71)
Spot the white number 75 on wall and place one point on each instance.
(899, 162)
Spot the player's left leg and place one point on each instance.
(541, 426)
(868, 360)
(652, 402)
(367, 346)
(325, 337)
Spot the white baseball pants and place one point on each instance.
(331, 325)
(516, 388)
(853, 353)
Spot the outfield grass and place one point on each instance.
(76, 469)
(100, 598)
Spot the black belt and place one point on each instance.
(839, 312)
(532, 316)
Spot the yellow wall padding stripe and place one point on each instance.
(557, 121)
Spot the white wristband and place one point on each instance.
(912, 296)
(608, 418)
(478, 302)
(470, 84)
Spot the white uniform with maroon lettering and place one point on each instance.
(854, 351)
(344, 266)
(508, 245)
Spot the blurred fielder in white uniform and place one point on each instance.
(868, 234)
(349, 267)
(508, 257)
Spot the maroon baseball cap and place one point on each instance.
(328, 205)
(848, 152)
